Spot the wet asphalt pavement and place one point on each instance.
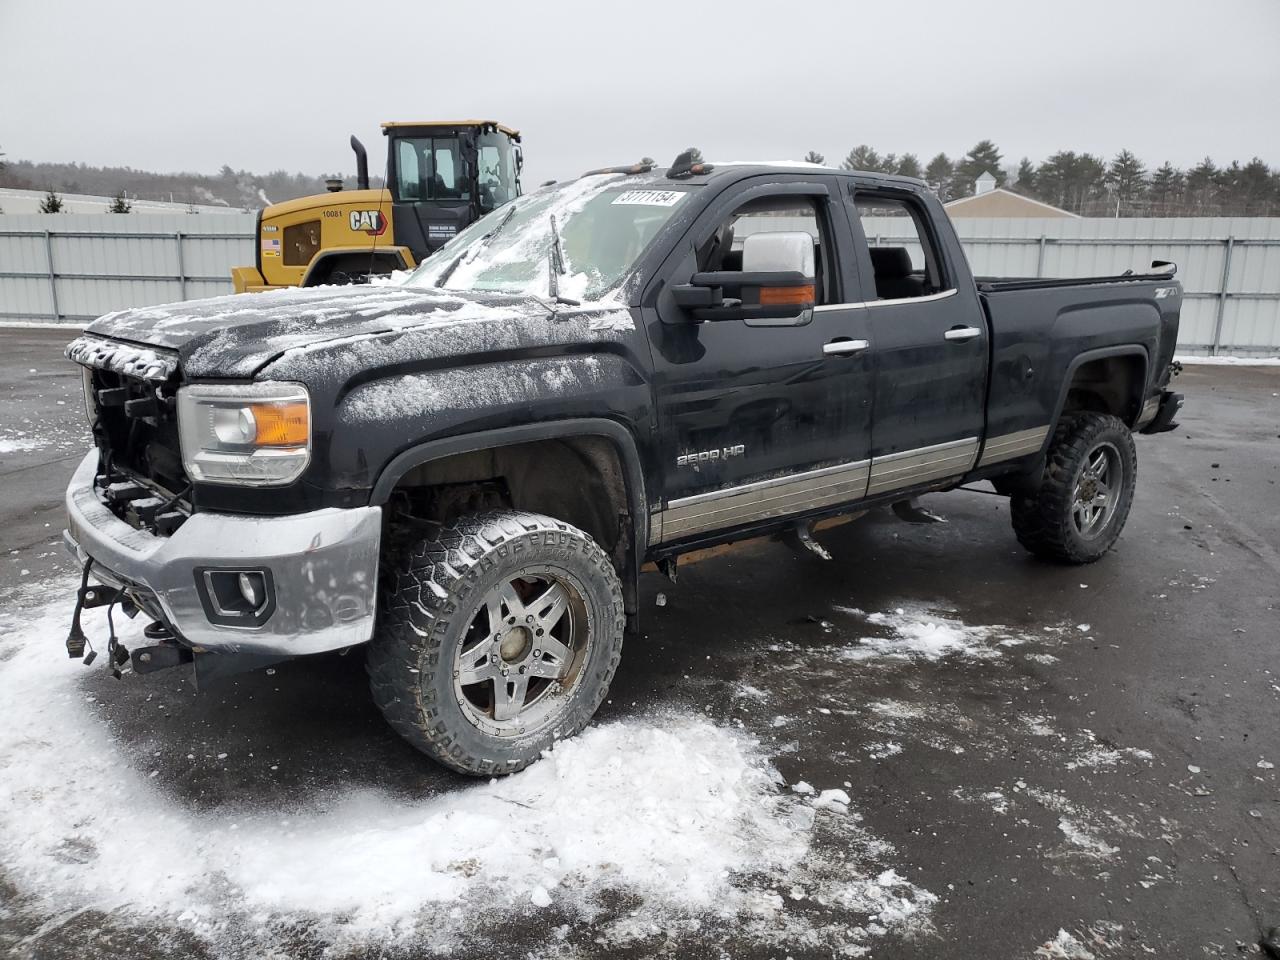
(1100, 774)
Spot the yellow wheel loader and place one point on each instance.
(442, 175)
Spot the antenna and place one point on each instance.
(383, 223)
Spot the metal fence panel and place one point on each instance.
(80, 266)
(1229, 267)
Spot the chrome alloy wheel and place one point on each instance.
(1098, 490)
(522, 654)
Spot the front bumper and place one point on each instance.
(323, 565)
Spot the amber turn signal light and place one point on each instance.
(786, 296)
(280, 424)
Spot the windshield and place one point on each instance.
(604, 227)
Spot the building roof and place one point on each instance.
(1004, 203)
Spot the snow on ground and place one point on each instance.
(926, 634)
(687, 816)
(19, 444)
(1230, 361)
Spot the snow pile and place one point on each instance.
(918, 633)
(686, 816)
(1064, 947)
(19, 444)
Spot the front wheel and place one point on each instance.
(1086, 492)
(496, 636)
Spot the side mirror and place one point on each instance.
(774, 288)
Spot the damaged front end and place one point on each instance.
(224, 591)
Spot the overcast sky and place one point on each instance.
(166, 85)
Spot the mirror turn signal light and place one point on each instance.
(786, 296)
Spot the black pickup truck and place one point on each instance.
(466, 470)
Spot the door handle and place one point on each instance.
(962, 334)
(837, 347)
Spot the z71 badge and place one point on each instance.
(710, 456)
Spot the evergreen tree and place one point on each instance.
(984, 157)
(120, 204)
(1127, 178)
(1165, 192)
(1202, 188)
(909, 166)
(1257, 189)
(863, 157)
(648, 161)
(813, 156)
(938, 175)
(1071, 180)
(52, 203)
(1026, 182)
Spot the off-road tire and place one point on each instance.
(1043, 520)
(429, 593)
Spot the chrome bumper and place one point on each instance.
(324, 566)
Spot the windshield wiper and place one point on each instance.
(447, 272)
(556, 268)
(484, 241)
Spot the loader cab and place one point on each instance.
(445, 175)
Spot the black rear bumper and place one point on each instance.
(1170, 404)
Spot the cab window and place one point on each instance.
(430, 168)
(781, 214)
(903, 255)
(496, 173)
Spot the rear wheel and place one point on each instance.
(1084, 498)
(496, 636)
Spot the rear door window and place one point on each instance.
(904, 255)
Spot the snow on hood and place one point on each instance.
(236, 335)
(683, 816)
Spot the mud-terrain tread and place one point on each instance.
(419, 593)
(1042, 522)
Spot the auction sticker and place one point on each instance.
(650, 198)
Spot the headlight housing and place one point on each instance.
(255, 434)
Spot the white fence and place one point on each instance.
(77, 267)
(1229, 266)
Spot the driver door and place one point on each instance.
(762, 419)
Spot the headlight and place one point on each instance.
(256, 434)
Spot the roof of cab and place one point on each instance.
(726, 171)
(510, 132)
(745, 168)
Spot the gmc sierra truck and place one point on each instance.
(465, 470)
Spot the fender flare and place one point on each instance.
(400, 254)
(1088, 356)
(619, 436)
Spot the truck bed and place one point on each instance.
(1042, 329)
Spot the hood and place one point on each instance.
(235, 336)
